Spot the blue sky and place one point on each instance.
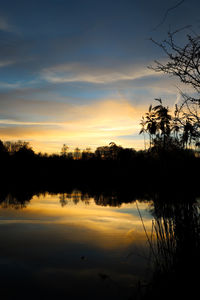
(75, 72)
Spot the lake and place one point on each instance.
(67, 245)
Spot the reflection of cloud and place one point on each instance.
(102, 226)
(73, 245)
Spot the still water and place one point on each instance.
(63, 246)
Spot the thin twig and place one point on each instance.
(167, 12)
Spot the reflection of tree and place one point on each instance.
(20, 198)
(118, 197)
(108, 200)
(177, 247)
(102, 198)
(63, 199)
(113, 198)
(15, 199)
(75, 196)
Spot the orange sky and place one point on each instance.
(76, 73)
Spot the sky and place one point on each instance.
(76, 72)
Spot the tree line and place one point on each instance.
(161, 142)
(20, 149)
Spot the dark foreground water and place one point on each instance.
(67, 246)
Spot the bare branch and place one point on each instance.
(167, 12)
(184, 62)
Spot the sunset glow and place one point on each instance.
(107, 227)
(81, 76)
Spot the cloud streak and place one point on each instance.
(4, 25)
(83, 125)
(83, 73)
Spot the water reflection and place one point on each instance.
(72, 243)
(15, 199)
(107, 226)
(97, 245)
(175, 249)
(21, 198)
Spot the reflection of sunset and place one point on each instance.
(99, 127)
(106, 227)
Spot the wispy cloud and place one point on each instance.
(5, 25)
(6, 63)
(7, 85)
(26, 123)
(83, 73)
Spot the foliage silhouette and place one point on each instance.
(167, 132)
(183, 63)
(177, 245)
(110, 165)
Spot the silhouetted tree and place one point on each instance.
(157, 123)
(151, 124)
(13, 147)
(168, 131)
(3, 149)
(77, 153)
(143, 130)
(102, 152)
(64, 150)
(114, 150)
(111, 152)
(87, 154)
(184, 63)
(163, 119)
